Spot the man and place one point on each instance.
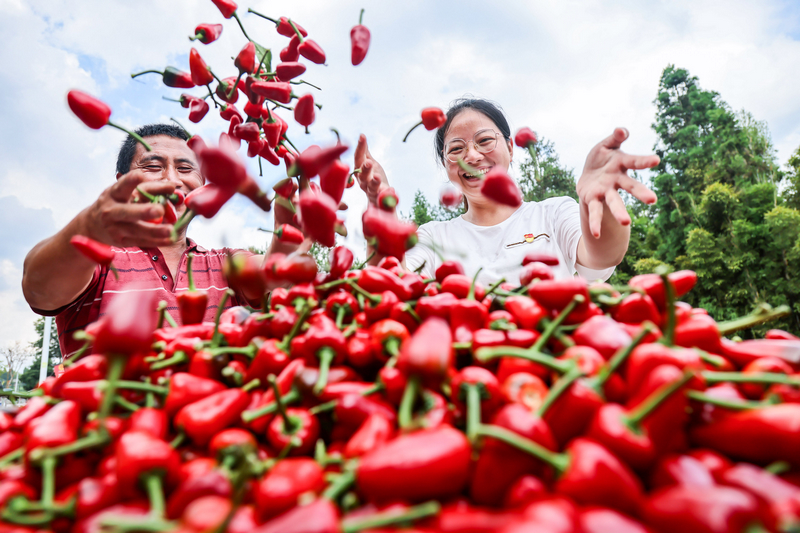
(59, 281)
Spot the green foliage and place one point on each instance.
(29, 378)
(423, 212)
(791, 195)
(553, 178)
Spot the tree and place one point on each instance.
(14, 358)
(423, 212)
(791, 195)
(553, 178)
(29, 378)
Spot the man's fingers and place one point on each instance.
(121, 191)
(638, 189)
(126, 213)
(595, 217)
(616, 139)
(361, 151)
(159, 187)
(617, 207)
(638, 162)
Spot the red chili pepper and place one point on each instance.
(291, 52)
(416, 467)
(246, 59)
(150, 420)
(201, 75)
(318, 217)
(374, 279)
(98, 252)
(90, 368)
(333, 179)
(249, 131)
(525, 137)
(499, 187)
(557, 294)
(709, 509)
(207, 33)
(760, 435)
(172, 77)
(782, 497)
(525, 389)
(226, 7)
(223, 90)
(603, 334)
(207, 200)
(140, 455)
(680, 470)
(320, 516)
(12, 488)
(432, 118)
(388, 199)
(185, 389)
(780, 334)
(273, 90)
(341, 261)
(387, 233)
(295, 427)
(439, 305)
(313, 159)
(461, 285)
(744, 352)
(202, 419)
(228, 111)
(56, 427)
(128, 325)
(304, 112)
(191, 302)
(535, 271)
(428, 354)
(652, 284)
(646, 357)
(635, 309)
(89, 109)
(87, 394)
(288, 70)
(499, 465)
(447, 268)
(279, 489)
(359, 41)
(33, 409)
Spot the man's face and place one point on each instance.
(170, 160)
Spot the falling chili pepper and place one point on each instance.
(226, 7)
(96, 114)
(304, 110)
(359, 41)
(207, 33)
(432, 118)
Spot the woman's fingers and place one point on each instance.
(639, 162)
(595, 217)
(616, 139)
(361, 151)
(637, 189)
(617, 207)
(365, 176)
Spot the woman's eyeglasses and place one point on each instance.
(484, 142)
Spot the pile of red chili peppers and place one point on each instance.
(370, 398)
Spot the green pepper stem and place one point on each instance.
(405, 413)
(146, 194)
(12, 456)
(326, 355)
(125, 404)
(361, 16)
(289, 425)
(241, 26)
(554, 325)
(392, 347)
(390, 518)
(655, 399)
(487, 354)
(132, 134)
(558, 389)
(299, 35)
(178, 358)
(155, 493)
(559, 461)
(755, 377)
(187, 217)
(189, 272)
(48, 480)
(620, 357)
(494, 286)
(760, 316)
(96, 438)
(340, 314)
(217, 338)
(140, 386)
(740, 405)
(116, 365)
(290, 397)
(339, 486)
(373, 298)
(263, 16)
(471, 293)
(669, 295)
(473, 410)
(415, 126)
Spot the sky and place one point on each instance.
(571, 70)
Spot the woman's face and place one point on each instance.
(464, 126)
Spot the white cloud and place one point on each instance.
(570, 70)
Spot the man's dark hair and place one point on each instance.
(487, 107)
(128, 148)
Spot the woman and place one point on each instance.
(589, 238)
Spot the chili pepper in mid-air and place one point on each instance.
(313, 159)
(198, 109)
(304, 112)
(359, 41)
(96, 114)
(283, 25)
(432, 118)
(172, 77)
(226, 7)
(500, 187)
(318, 217)
(246, 59)
(288, 70)
(207, 33)
(388, 199)
(201, 75)
(341, 261)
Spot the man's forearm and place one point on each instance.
(609, 249)
(54, 272)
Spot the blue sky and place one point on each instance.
(570, 70)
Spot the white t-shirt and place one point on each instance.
(552, 226)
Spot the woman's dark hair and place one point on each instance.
(128, 148)
(487, 107)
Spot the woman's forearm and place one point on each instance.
(607, 250)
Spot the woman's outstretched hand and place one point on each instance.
(605, 172)
(371, 177)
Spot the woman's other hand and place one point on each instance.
(369, 173)
(605, 172)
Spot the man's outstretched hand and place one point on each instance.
(605, 172)
(114, 219)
